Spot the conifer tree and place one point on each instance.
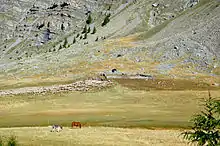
(88, 31)
(74, 40)
(65, 43)
(94, 30)
(84, 29)
(205, 129)
(85, 36)
(106, 20)
(89, 19)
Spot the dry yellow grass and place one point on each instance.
(116, 106)
(95, 136)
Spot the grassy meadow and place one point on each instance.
(119, 106)
(94, 136)
(109, 116)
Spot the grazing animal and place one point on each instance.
(76, 124)
(56, 128)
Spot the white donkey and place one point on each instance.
(56, 128)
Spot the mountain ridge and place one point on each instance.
(163, 38)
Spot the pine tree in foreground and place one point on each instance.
(206, 125)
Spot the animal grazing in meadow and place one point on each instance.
(76, 124)
(56, 128)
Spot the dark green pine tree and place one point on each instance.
(106, 20)
(89, 19)
(62, 27)
(85, 36)
(74, 40)
(65, 43)
(205, 129)
(96, 39)
(60, 47)
(84, 29)
(88, 31)
(94, 30)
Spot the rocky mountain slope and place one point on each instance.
(69, 39)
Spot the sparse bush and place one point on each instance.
(77, 35)
(65, 43)
(109, 8)
(62, 27)
(89, 19)
(85, 36)
(60, 47)
(48, 24)
(206, 125)
(106, 20)
(1, 141)
(80, 37)
(84, 29)
(94, 30)
(12, 141)
(88, 31)
(74, 40)
(96, 39)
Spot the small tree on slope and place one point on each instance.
(94, 30)
(206, 125)
(89, 19)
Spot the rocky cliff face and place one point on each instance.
(45, 37)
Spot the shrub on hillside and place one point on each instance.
(206, 125)
(85, 36)
(60, 47)
(1, 141)
(62, 27)
(12, 141)
(94, 30)
(96, 39)
(106, 20)
(89, 19)
(74, 40)
(84, 29)
(88, 31)
(65, 43)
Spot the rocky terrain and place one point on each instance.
(86, 85)
(76, 38)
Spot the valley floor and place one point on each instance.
(95, 136)
(134, 106)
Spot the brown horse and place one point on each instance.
(76, 124)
